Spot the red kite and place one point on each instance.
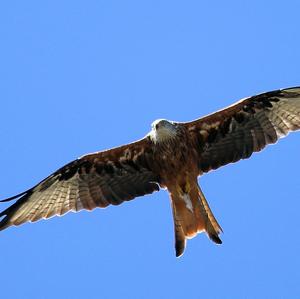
(171, 156)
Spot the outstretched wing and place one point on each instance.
(245, 127)
(94, 180)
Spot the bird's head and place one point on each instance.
(163, 130)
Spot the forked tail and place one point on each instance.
(192, 215)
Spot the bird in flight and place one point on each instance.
(172, 156)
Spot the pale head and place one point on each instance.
(162, 130)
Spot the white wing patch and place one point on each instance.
(188, 202)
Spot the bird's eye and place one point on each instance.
(156, 126)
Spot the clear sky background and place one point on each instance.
(81, 76)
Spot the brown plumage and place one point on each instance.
(171, 156)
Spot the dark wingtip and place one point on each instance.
(15, 196)
(6, 215)
(4, 223)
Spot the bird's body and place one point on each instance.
(176, 158)
(172, 156)
(176, 163)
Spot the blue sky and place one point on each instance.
(81, 76)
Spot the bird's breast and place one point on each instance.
(174, 159)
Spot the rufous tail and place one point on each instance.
(192, 215)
